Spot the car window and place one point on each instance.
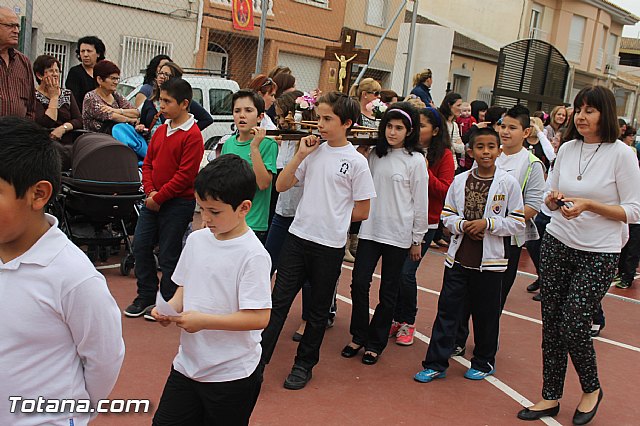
(220, 101)
(197, 95)
(125, 89)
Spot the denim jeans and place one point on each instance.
(167, 228)
(302, 260)
(407, 303)
(374, 334)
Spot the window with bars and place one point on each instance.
(376, 13)
(61, 51)
(138, 51)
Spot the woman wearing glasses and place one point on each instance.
(367, 91)
(103, 107)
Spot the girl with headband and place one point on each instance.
(395, 228)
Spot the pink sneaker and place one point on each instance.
(405, 335)
(393, 331)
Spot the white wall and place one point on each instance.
(431, 49)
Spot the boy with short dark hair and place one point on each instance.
(61, 337)
(259, 151)
(224, 301)
(482, 208)
(169, 169)
(337, 187)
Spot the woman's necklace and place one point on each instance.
(581, 172)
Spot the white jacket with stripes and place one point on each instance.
(504, 213)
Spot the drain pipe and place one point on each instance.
(199, 27)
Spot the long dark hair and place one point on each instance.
(151, 72)
(447, 102)
(602, 99)
(411, 141)
(441, 141)
(176, 72)
(476, 107)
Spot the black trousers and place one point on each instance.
(187, 402)
(630, 255)
(374, 335)
(572, 286)
(482, 289)
(302, 260)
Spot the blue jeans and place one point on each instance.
(167, 228)
(407, 303)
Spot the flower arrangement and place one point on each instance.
(305, 102)
(377, 108)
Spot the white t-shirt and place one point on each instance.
(399, 213)
(222, 277)
(288, 200)
(333, 179)
(61, 337)
(612, 177)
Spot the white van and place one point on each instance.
(213, 93)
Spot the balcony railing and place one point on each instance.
(257, 5)
(538, 34)
(611, 66)
(574, 51)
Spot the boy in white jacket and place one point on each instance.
(483, 207)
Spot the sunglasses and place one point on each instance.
(376, 93)
(267, 82)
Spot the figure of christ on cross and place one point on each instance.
(341, 53)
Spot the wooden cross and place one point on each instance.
(346, 55)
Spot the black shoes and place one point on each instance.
(138, 308)
(533, 287)
(349, 352)
(530, 415)
(596, 329)
(298, 378)
(296, 337)
(537, 297)
(580, 418)
(370, 358)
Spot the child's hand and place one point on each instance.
(151, 204)
(162, 320)
(415, 253)
(308, 144)
(475, 228)
(258, 136)
(482, 124)
(190, 321)
(535, 127)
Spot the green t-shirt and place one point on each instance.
(258, 217)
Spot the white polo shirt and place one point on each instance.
(61, 336)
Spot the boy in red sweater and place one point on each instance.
(169, 170)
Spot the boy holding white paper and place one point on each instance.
(224, 301)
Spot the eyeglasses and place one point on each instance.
(114, 79)
(11, 26)
(267, 82)
(165, 74)
(376, 93)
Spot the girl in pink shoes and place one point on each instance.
(435, 140)
(395, 228)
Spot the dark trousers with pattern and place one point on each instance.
(573, 282)
(374, 335)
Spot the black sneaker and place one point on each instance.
(137, 308)
(147, 313)
(537, 297)
(298, 378)
(458, 351)
(596, 329)
(533, 287)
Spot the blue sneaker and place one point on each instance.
(425, 376)
(473, 374)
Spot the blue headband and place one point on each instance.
(405, 114)
(436, 115)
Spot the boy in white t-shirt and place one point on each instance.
(224, 302)
(337, 187)
(61, 337)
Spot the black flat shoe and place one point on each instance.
(298, 378)
(533, 287)
(369, 358)
(580, 418)
(349, 352)
(296, 337)
(531, 415)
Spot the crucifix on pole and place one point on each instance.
(346, 55)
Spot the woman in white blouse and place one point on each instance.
(450, 109)
(593, 194)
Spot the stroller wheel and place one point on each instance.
(103, 253)
(126, 264)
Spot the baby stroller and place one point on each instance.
(99, 198)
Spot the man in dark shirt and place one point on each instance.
(17, 88)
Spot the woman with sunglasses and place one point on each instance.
(367, 91)
(266, 88)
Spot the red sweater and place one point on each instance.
(172, 163)
(440, 178)
(465, 124)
